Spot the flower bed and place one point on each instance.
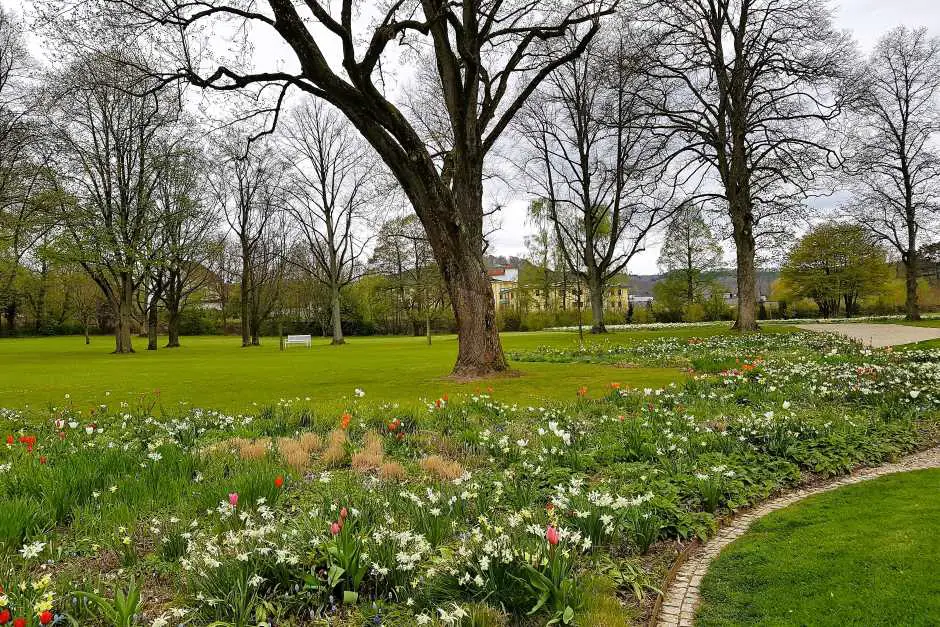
(469, 512)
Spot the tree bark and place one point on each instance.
(458, 249)
(173, 326)
(152, 324)
(123, 310)
(911, 303)
(596, 287)
(245, 295)
(87, 335)
(336, 317)
(745, 249)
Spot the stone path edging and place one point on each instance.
(676, 607)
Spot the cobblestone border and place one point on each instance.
(676, 607)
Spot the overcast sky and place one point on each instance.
(867, 19)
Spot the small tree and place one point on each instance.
(404, 257)
(690, 251)
(836, 264)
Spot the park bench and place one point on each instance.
(298, 339)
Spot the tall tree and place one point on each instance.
(590, 145)
(690, 250)
(747, 90)
(108, 140)
(330, 198)
(247, 189)
(188, 225)
(489, 57)
(22, 172)
(894, 163)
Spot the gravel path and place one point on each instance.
(682, 596)
(877, 335)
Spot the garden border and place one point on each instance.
(676, 605)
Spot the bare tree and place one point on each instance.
(591, 144)
(489, 57)
(188, 225)
(746, 95)
(22, 167)
(108, 140)
(246, 188)
(894, 164)
(330, 197)
(269, 271)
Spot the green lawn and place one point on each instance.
(862, 555)
(928, 322)
(216, 372)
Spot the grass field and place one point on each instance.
(861, 555)
(216, 372)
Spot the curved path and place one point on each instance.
(681, 598)
(876, 335)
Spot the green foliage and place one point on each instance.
(835, 265)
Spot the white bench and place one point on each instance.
(298, 339)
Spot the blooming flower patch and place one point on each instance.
(464, 511)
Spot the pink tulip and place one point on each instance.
(343, 514)
(551, 534)
(233, 499)
(335, 529)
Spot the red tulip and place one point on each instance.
(278, 481)
(4, 617)
(10, 441)
(42, 459)
(45, 618)
(19, 622)
(551, 534)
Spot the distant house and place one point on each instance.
(564, 293)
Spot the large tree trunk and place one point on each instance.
(336, 317)
(123, 312)
(596, 287)
(911, 304)
(152, 324)
(458, 249)
(745, 246)
(245, 295)
(173, 325)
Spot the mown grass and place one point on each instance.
(861, 555)
(216, 372)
